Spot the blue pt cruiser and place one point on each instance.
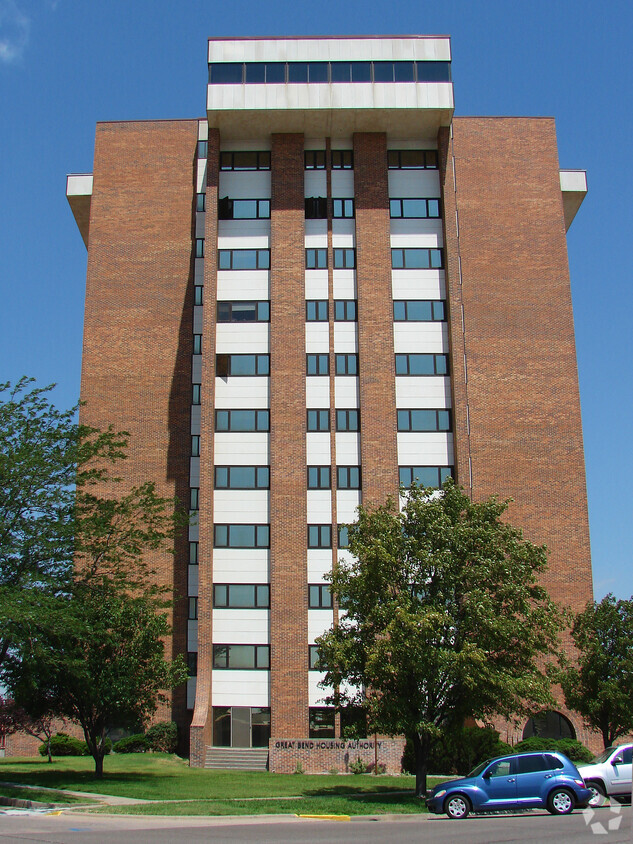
(523, 781)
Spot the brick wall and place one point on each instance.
(288, 524)
(136, 371)
(318, 756)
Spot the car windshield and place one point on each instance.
(603, 756)
(476, 771)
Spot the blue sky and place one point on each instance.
(65, 64)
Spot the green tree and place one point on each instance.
(600, 685)
(444, 619)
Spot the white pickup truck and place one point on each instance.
(609, 775)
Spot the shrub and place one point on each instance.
(132, 744)
(163, 737)
(573, 749)
(64, 745)
(458, 751)
(358, 766)
(298, 768)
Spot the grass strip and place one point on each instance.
(41, 796)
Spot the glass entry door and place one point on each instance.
(241, 726)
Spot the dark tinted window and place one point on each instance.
(553, 763)
(226, 73)
(531, 764)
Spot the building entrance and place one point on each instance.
(241, 726)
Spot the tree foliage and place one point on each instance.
(14, 718)
(444, 618)
(600, 685)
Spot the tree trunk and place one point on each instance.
(421, 749)
(98, 757)
(48, 751)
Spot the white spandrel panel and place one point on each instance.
(241, 627)
(317, 284)
(347, 449)
(425, 449)
(240, 506)
(316, 233)
(316, 695)
(194, 471)
(344, 237)
(318, 448)
(347, 502)
(243, 285)
(346, 391)
(315, 181)
(248, 392)
(242, 338)
(249, 184)
(192, 580)
(319, 506)
(200, 230)
(244, 234)
(384, 48)
(319, 622)
(241, 449)
(423, 392)
(414, 184)
(343, 183)
(345, 337)
(317, 391)
(192, 635)
(201, 175)
(417, 234)
(319, 564)
(191, 692)
(422, 337)
(198, 271)
(344, 284)
(240, 688)
(317, 337)
(418, 284)
(241, 565)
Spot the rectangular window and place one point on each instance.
(345, 310)
(318, 420)
(226, 73)
(347, 420)
(197, 344)
(342, 159)
(243, 209)
(192, 663)
(194, 498)
(434, 71)
(319, 477)
(413, 310)
(321, 722)
(424, 364)
(241, 536)
(319, 536)
(243, 259)
(314, 159)
(241, 365)
(316, 310)
(199, 247)
(315, 207)
(313, 659)
(424, 420)
(242, 477)
(193, 553)
(433, 476)
(195, 393)
(343, 208)
(244, 311)
(343, 536)
(346, 364)
(412, 159)
(241, 596)
(265, 72)
(344, 259)
(198, 294)
(317, 364)
(416, 259)
(348, 477)
(195, 445)
(350, 71)
(192, 613)
(241, 657)
(242, 420)
(201, 201)
(316, 259)
(414, 208)
(203, 148)
(245, 160)
(319, 596)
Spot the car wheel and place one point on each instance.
(457, 806)
(598, 794)
(560, 802)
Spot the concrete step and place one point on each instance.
(237, 758)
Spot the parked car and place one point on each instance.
(547, 780)
(609, 775)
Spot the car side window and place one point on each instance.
(532, 764)
(627, 755)
(502, 768)
(553, 762)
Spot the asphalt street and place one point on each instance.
(611, 827)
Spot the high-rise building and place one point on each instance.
(327, 287)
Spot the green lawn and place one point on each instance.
(159, 776)
(41, 796)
